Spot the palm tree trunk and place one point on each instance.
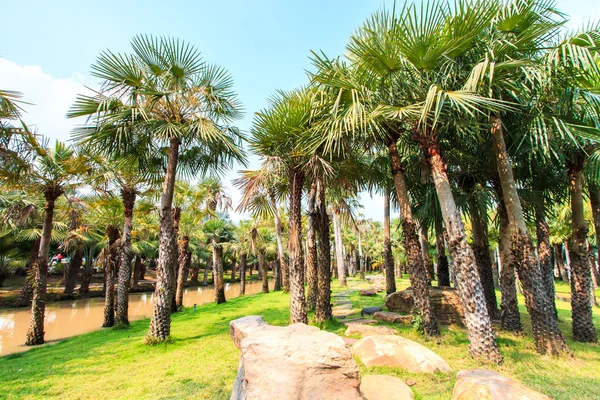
(594, 191)
(481, 249)
(88, 271)
(74, 269)
(311, 249)
(581, 273)
(296, 264)
(185, 260)
(122, 319)
(35, 334)
(263, 266)
(233, 265)
(479, 324)
(546, 333)
(510, 318)
(390, 278)
(423, 240)
(283, 264)
(218, 280)
(110, 264)
(242, 274)
(160, 325)
(27, 290)
(339, 248)
(137, 268)
(207, 266)
(195, 268)
(443, 271)
(544, 251)
(418, 275)
(361, 258)
(560, 262)
(323, 303)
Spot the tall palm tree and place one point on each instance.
(51, 171)
(176, 102)
(278, 132)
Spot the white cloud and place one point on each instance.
(50, 97)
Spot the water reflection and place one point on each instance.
(64, 319)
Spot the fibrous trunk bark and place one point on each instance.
(323, 303)
(284, 275)
(31, 268)
(510, 318)
(137, 269)
(122, 318)
(111, 254)
(544, 251)
(263, 266)
(311, 249)
(242, 274)
(35, 334)
(443, 270)
(581, 272)
(481, 248)
(546, 333)
(418, 275)
(74, 266)
(425, 252)
(185, 260)
(339, 247)
(218, 273)
(160, 325)
(296, 262)
(390, 278)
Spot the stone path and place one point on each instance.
(342, 306)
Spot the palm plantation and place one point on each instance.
(472, 124)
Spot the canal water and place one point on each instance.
(70, 318)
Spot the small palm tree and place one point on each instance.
(51, 171)
(218, 231)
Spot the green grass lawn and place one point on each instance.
(201, 361)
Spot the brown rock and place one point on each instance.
(481, 384)
(366, 330)
(396, 351)
(343, 313)
(393, 318)
(349, 341)
(445, 304)
(411, 382)
(368, 292)
(383, 387)
(294, 362)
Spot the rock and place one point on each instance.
(383, 387)
(341, 302)
(396, 351)
(393, 318)
(349, 341)
(365, 330)
(445, 304)
(341, 313)
(411, 382)
(481, 384)
(368, 292)
(370, 310)
(292, 362)
(360, 321)
(376, 279)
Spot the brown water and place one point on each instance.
(69, 318)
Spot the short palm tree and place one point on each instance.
(51, 171)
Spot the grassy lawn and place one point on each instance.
(201, 361)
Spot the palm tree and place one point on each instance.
(218, 232)
(176, 102)
(278, 132)
(51, 171)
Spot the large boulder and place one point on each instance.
(481, 384)
(396, 351)
(445, 304)
(292, 362)
(384, 387)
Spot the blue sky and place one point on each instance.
(264, 44)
